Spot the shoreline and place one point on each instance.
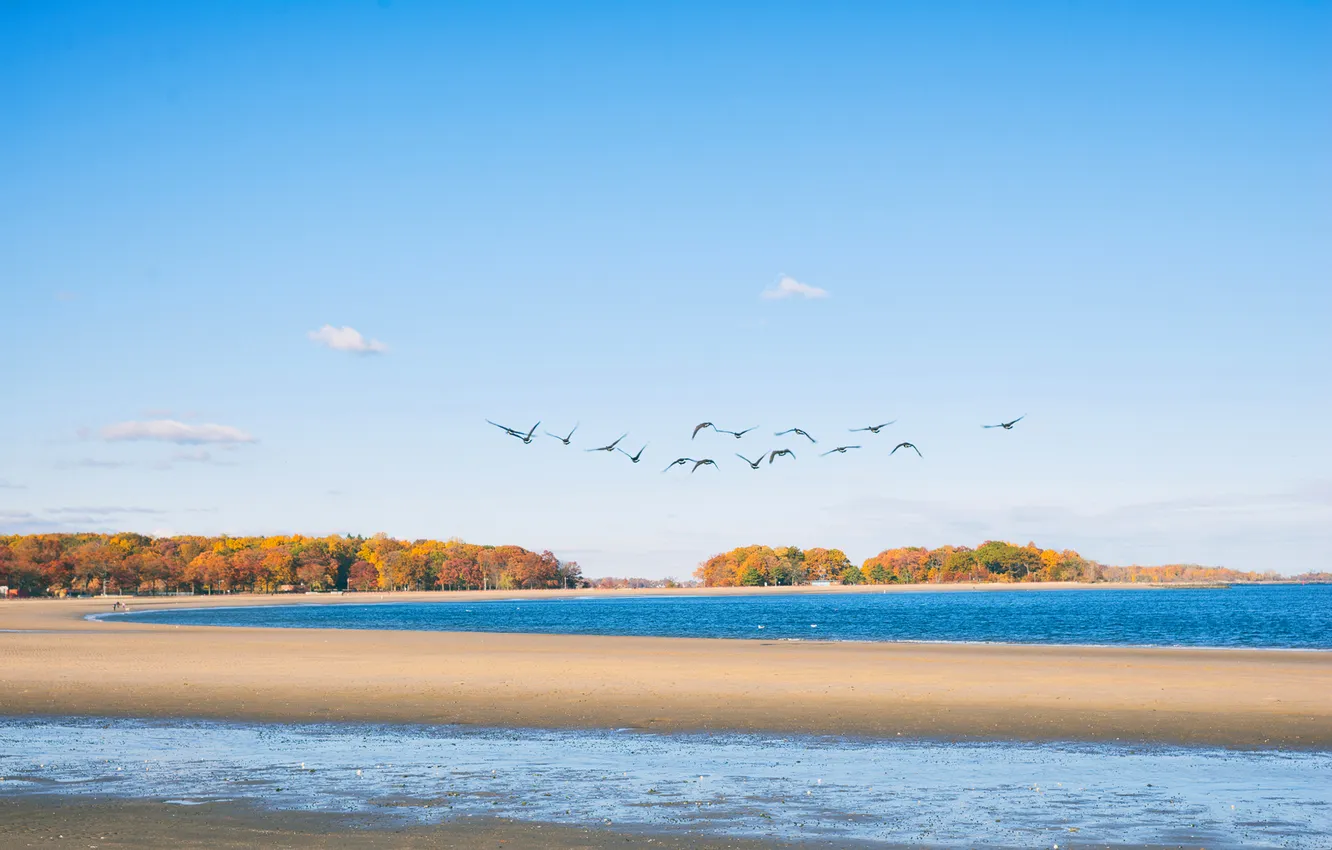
(56, 662)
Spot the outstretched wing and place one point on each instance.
(700, 426)
(1016, 421)
(917, 451)
(506, 429)
(884, 425)
(854, 430)
(617, 441)
(742, 433)
(806, 435)
(533, 431)
(1000, 425)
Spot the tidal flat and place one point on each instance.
(820, 790)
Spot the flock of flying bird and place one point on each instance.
(707, 461)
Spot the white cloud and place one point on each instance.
(788, 286)
(171, 431)
(347, 339)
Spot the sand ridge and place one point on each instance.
(57, 662)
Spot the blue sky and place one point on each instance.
(1111, 217)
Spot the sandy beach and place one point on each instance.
(54, 661)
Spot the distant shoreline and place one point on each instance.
(333, 597)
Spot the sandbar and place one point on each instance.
(55, 662)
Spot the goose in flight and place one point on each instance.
(753, 464)
(841, 450)
(736, 434)
(873, 429)
(564, 440)
(802, 433)
(707, 461)
(700, 426)
(911, 446)
(1007, 426)
(526, 438)
(635, 458)
(679, 461)
(775, 453)
(611, 447)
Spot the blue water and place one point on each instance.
(1284, 616)
(926, 793)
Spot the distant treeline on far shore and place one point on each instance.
(62, 564)
(992, 561)
(58, 564)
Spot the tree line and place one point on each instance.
(992, 561)
(60, 564)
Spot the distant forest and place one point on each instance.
(993, 561)
(62, 564)
(59, 564)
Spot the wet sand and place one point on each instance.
(61, 822)
(58, 663)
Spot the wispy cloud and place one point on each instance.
(199, 456)
(347, 339)
(196, 456)
(788, 287)
(6, 484)
(102, 511)
(171, 431)
(74, 519)
(91, 463)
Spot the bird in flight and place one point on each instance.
(707, 461)
(679, 461)
(700, 426)
(526, 438)
(906, 446)
(564, 440)
(775, 453)
(796, 431)
(753, 464)
(841, 450)
(635, 458)
(736, 434)
(1007, 426)
(873, 429)
(609, 448)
